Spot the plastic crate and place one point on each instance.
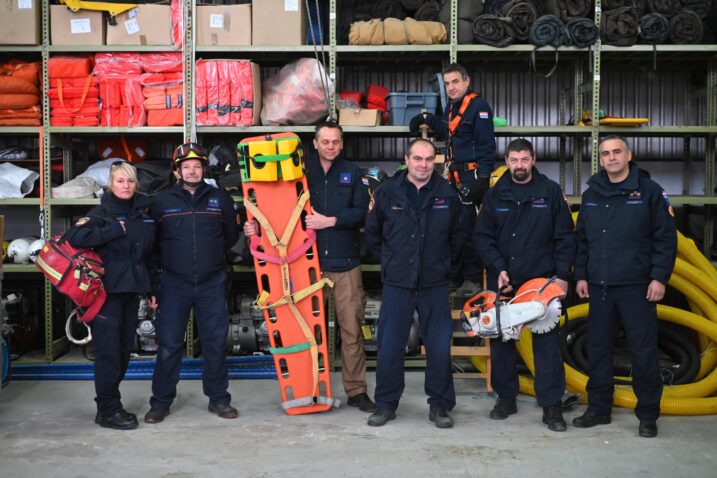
(404, 106)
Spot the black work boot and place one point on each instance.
(380, 417)
(223, 410)
(156, 414)
(589, 419)
(504, 407)
(648, 428)
(118, 421)
(553, 417)
(362, 402)
(440, 417)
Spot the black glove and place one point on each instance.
(416, 122)
(481, 187)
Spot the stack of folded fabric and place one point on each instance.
(163, 88)
(73, 93)
(119, 77)
(19, 94)
(224, 93)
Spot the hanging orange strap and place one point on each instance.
(455, 120)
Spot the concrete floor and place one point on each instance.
(47, 429)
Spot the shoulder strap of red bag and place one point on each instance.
(454, 121)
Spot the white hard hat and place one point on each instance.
(35, 247)
(19, 250)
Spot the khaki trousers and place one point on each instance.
(349, 302)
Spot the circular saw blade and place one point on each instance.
(549, 321)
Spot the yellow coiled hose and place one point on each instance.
(696, 278)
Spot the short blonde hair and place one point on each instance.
(125, 167)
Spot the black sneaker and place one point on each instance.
(590, 419)
(648, 428)
(553, 417)
(118, 421)
(223, 410)
(440, 417)
(380, 417)
(504, 407)
(362, 402)
(156, 414)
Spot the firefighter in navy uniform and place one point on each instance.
(524, 231)
(467, 127)
(415, 225)
(123, 234)
(339, 200)
(627, 245)
(196, 224)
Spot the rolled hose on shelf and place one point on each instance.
(696, 278)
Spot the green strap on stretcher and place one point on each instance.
(291, 349)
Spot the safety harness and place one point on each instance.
(454, 120)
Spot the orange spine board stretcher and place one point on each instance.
(287, 270)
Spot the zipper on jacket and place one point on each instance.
(326, 208)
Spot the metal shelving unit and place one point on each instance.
(585, 90)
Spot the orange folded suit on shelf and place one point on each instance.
(19, 94)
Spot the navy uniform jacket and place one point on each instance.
(339, 193)
(531, 239)
(626, 234)
(474, 139)
(128, 257)
(417, 247)
(195, 230)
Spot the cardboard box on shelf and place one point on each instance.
(142, 25)
(359, 117)
(85, 27)
(224, 25)
(20, 22)
(278, 22)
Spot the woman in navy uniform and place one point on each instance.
(123, 234)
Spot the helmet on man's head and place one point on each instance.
(189, 151)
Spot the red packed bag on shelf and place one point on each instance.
(110, 92)
(28, 71)
(165, 102)
(132, 92)
(61, 121)
(376, 96)
(54, 93)
(245, 87)
(32, 112)
(11, 101)
(200, 93)
(73, 82)
(85, 110)
(74, 102)
(20, 121)
(161, 62)
(69, 66)
(211, 79)
(110, 116)
(233, 76)
(132, 116)
(173, 117)
(224, 92)
(85, 121)
(117, 64)
(11, 85)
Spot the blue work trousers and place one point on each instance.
(113, 338)
(611, 307)
(177, 298)
(436, 327)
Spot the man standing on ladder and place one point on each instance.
(467, 126)
(525, 231)
(339, 200)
